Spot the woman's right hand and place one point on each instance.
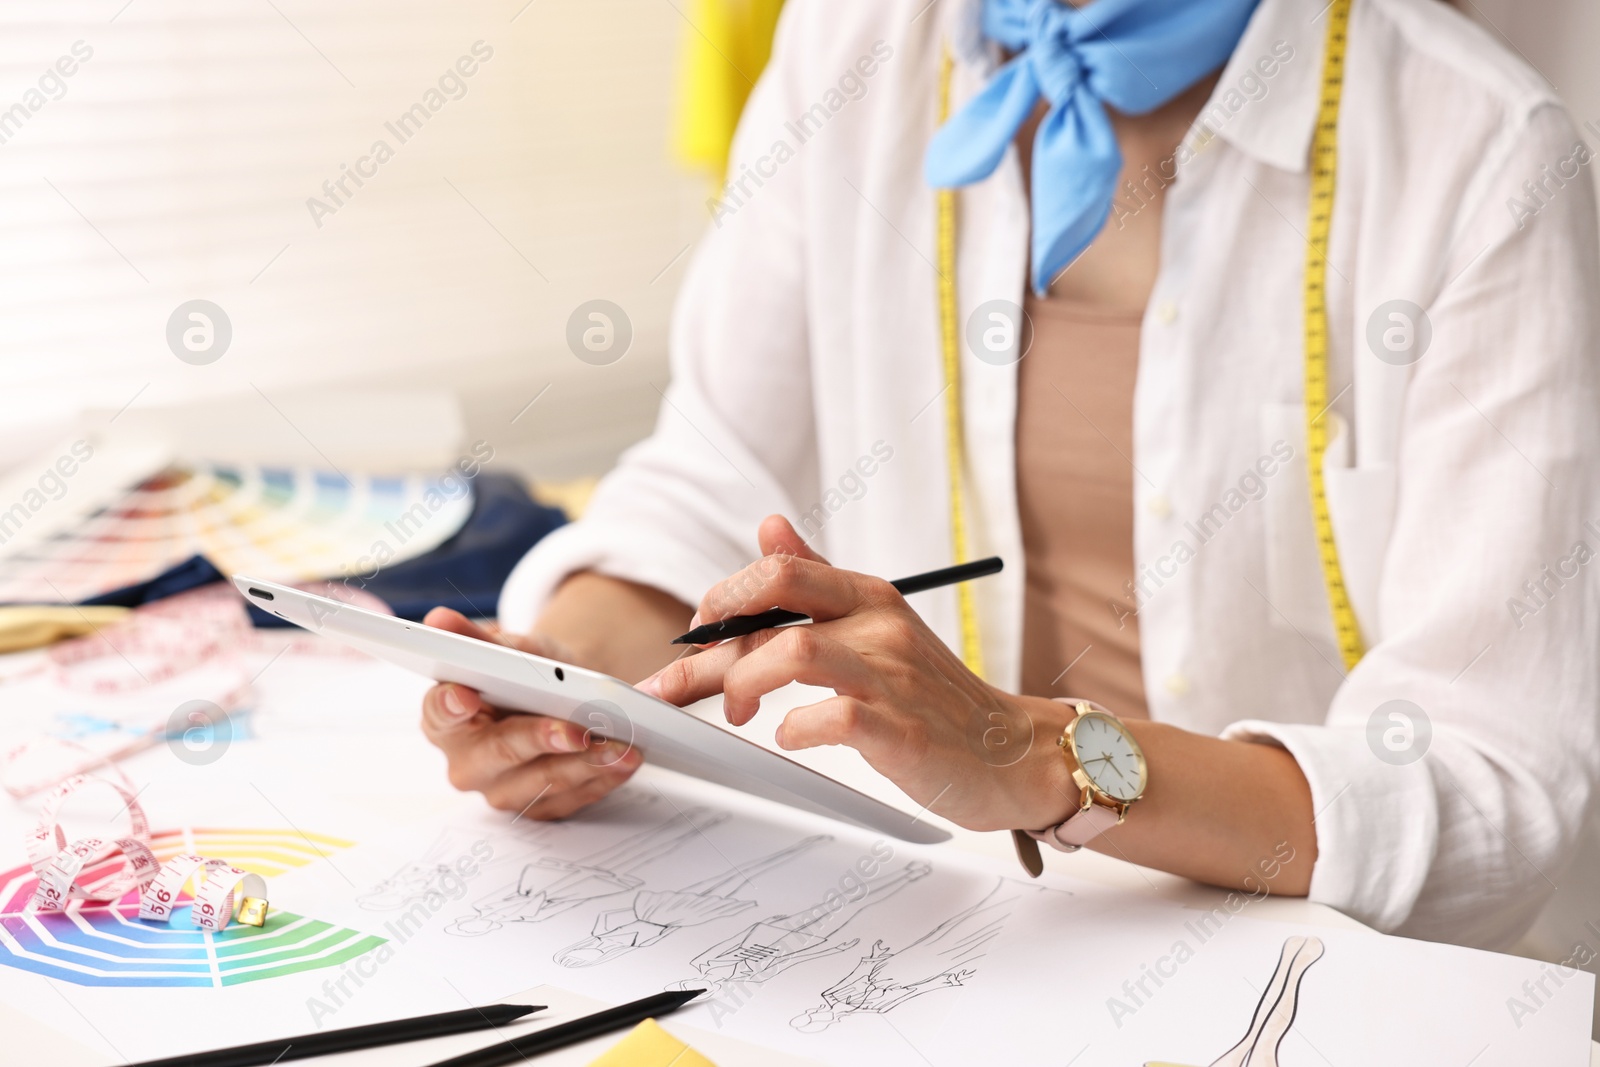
(541, 767)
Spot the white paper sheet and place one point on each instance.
(847, 949)
(817, 940)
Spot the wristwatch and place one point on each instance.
(1107, 766)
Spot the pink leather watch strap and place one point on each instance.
(1078, 829)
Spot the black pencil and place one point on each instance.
(740, 625)
(524, 1046)
(355, 1037)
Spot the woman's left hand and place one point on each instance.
(964, 750)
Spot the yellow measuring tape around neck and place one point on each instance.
(950, 339)
(1324, 168)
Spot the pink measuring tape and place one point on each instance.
(61, 866)
(213, 901)
(156, 643)
(91, 870)
(202, 636)
(169, 637)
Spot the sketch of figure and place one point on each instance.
(768, 948)
(654, 915)
(411, 883)
(939, 959)
(435, 873)
(550, 886)
(1275, 1011)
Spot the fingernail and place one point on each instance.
(563, 741)
(629, 760)
(454, 704)
(651, 685)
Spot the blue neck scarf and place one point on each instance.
(1132, 54)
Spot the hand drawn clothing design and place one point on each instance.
(654, 915)
(1275, 1011)
(939, 959)
(770, 947)
(551, 886)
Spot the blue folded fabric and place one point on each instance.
(192, 573)
(467, 571)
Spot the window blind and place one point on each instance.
(154, 152)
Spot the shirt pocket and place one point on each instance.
(1361, 503)
(1361, 506)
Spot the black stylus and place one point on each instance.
(740, 625)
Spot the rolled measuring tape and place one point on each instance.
(90, 870)
(60, 866)
(212, 908)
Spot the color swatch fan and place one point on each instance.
(288, 525)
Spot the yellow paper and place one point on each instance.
(650, 1046)
(31, 626)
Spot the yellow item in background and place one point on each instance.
(32, 626)
(647, 1045)
(726, 46)
(571, 497)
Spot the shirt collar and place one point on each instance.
(961, 27)
(1275, 127)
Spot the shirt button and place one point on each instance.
(1166, 313)
(1159, 506)
(1177, 685)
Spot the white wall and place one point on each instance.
(179, 160)
(1559, 37)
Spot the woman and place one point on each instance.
(1128, 428)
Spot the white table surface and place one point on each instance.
(371, 708)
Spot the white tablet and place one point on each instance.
(666, 735)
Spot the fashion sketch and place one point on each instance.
(766, 949)
(412, 882)
(941, 958)
(1275, 1011)
(656, 914)
(549, 886)
(435, 872)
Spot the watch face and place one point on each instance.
(1108, 756)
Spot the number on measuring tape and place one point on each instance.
(60, 867)
(1324, 170)
(212, 907)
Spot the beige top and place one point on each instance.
(1075, 494)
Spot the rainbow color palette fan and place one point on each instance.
(289, 525)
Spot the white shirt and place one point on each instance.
(806, 348)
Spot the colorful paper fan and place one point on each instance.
(288, 525)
